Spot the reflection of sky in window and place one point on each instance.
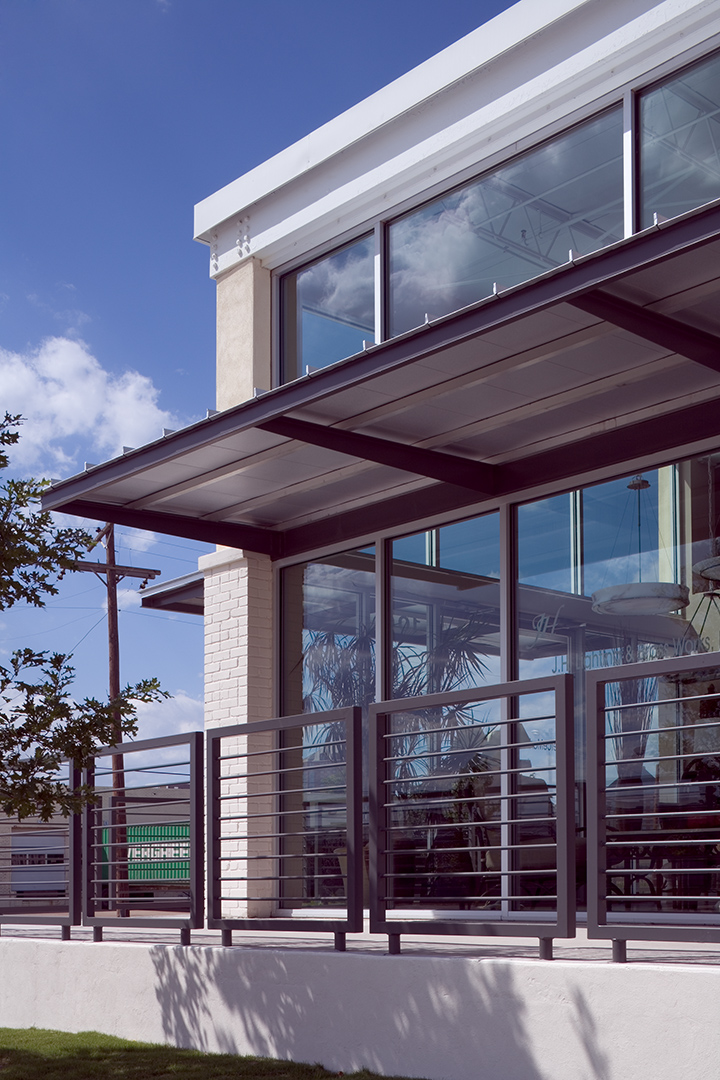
(680, 137)
(537, 711)
(411, 548)
(334, 308)
(471, 546)
(544, 544)
(325, 340)
(616, 551)
(510, 225)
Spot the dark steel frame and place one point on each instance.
(73, 917)
(563, 924)
(579, 282)
(353, 921)
(599, 925)
(195, 918)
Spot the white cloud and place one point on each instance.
(136, 540)
(67, 397)
(128, 599)
(172, 716)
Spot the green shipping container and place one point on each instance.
(156, 852)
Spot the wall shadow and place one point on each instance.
(418, 1016)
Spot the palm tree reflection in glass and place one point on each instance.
(444, 759)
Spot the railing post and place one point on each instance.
(546, 948)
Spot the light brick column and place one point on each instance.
(238, 690)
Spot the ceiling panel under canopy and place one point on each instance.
(607, 358)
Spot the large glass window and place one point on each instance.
(328, 309)
(509, 225)
(680, 142)
(600, 578)
(621, 573)
(328, 660)
(612, 574)
(445, 605)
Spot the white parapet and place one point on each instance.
(439, 1017)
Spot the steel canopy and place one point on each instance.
(610, 357)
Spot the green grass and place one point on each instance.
(35, 1054)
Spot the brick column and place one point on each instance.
(238, 690)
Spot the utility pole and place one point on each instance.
(113, 574)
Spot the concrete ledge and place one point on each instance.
(445, 1018)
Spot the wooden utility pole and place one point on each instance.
(113, 574)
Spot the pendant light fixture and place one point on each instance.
(640, 597)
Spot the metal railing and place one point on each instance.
(469, 827)
(143, 839)
(40, 876)
(284, 824)
(654, 801)
(472, 813)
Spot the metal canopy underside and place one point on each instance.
(612, 357)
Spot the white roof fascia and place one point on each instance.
(424, 81)
(365, 178)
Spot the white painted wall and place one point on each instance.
(417, 1016)
(533, 67)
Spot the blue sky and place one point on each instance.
(116, 117)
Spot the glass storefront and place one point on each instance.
(445, 608)
(328, 662)
(608, 575)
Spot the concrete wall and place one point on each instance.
(243, 333)
(417, 1016)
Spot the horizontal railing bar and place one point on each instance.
(646, 758)
(278, 792)
(622, 706)
(656, 785)
(158, 767)
(447, 730)
(274, 835)
(340, 902)
(469, 775)
(657, 813)
(145, 823)
(468, 750)
(277, 749)
(476, 823)
(549, 845)
(282, 772)
(316, 809)
(281, 877)
(614, 899)
(652, 840)
(416, 803)
(485, 904)
(666, 729)
(544, 871)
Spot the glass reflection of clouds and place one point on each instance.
(328, 309)
(680, 137)
(510, 225)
